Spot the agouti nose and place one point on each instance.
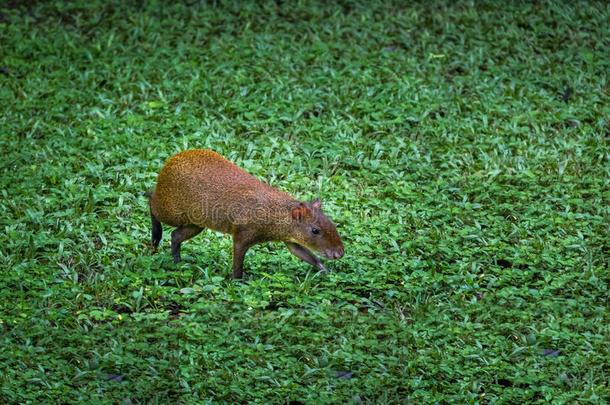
(338, 253)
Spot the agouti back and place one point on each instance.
(199, 189)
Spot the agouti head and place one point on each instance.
(315, 231)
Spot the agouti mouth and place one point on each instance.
(333, 254)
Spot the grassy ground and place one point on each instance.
(462, 150)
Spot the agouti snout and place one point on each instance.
(199, 189)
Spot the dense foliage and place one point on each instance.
(462, 149)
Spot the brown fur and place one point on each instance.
(199, 189)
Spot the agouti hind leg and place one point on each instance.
(181, 234)
(157, 231)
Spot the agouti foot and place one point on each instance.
(322, 268)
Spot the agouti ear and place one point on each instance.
(300, 212)
(317, 203)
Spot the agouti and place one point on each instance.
(199, 189)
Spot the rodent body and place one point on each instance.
(199, 189)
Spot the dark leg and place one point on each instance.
(181, 234)
(157, 232)
(241, 244)
(305, 255)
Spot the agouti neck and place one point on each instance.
(274, 217)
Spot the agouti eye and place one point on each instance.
(315, 231)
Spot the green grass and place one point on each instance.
(470, 189)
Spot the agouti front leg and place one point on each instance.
(305, 255)
(181, 234)
(242, 241)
